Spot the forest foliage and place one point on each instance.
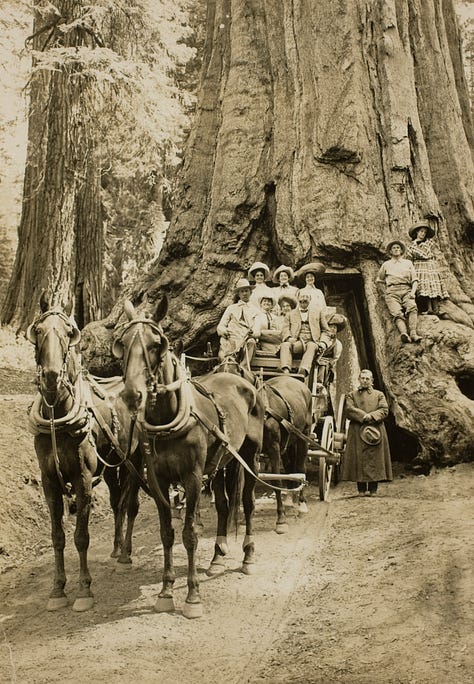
(146, 85)
(143, 96)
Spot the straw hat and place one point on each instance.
(283, 269)
(259, 266)
(370, 435)
(314, 267)
(338, 320)
(242, 284)
(430, 231)
(287, 298)
(395, 242)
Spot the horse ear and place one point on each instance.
(117, 349)
(31, 334)
(129, 309)
(178, 347)
(44, 302)
(161, 309)
(75, 336)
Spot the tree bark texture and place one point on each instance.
(325, 130)
(60, 235)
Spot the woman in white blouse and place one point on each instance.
(307, 274)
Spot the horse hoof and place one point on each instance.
(192, 610)
(215, 569)
(83, 603)
(281, 528)
(123, 566)
(56, 603)
(248, 568)
(302, 508)
(164, 604)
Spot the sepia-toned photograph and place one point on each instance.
(237, 341)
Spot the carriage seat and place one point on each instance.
(268, 365)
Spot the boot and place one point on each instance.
(412, 323)
(402, 329)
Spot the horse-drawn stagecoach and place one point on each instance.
(187, 428)
(323, 443)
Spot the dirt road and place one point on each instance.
(360, 590)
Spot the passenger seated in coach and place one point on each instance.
(328, 360)
(236, 328)
(305, 334)
(268, 326)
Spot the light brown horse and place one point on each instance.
(72, 448)
(187, 430)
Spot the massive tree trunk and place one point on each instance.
(60, 235)
(324, 130)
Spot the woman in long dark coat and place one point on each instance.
(367, 453)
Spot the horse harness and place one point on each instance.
(77, 422)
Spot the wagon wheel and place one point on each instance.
(325, 470)
(340, 436)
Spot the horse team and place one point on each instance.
(155, 417)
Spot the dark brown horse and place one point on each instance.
(72, 448)
(288, 402)
(189, 429)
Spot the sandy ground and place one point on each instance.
(360, 590)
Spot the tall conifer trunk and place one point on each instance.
(60, 234)
(324, 130)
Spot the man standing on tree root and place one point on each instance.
(401, 282)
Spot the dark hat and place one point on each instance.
(259, 266)
(370, 435)
(314, 267)
(430, 231)
(241, 284)
(338, 320)
(283, 269)
(287, 298)
(395, 242)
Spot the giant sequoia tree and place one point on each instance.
(324, 130)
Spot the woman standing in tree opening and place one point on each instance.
(431, 288)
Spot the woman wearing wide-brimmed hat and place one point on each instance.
(259, 273)
(400, 280)
(431, 287)
(237, 327)
(306, 277)
(283, 276)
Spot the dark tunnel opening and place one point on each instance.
(465, 382)
(345, 290)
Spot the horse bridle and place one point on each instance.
(153, 384)
(31, 335)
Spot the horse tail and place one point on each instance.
(234, 485)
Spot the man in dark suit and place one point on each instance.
(304, 334)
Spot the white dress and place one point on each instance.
(259, 291)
